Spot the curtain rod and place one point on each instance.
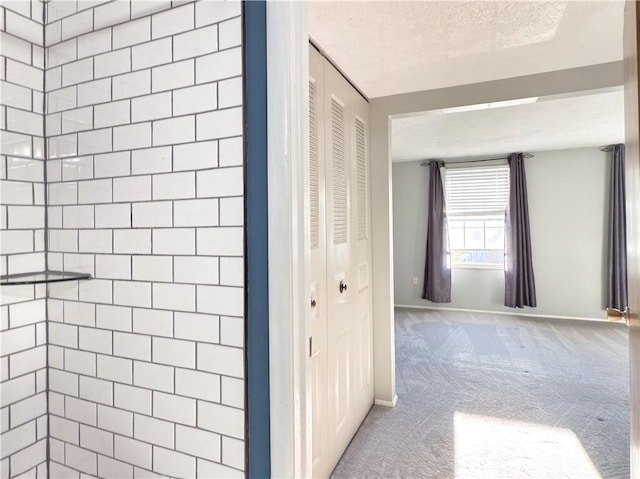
(607, 148)
(526, 155)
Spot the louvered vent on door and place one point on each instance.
(313, 167)
(361, 162)
(339, 176)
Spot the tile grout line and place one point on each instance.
(46, 223)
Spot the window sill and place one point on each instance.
(498, 267)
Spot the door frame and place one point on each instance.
(289, 255)
(631, 44)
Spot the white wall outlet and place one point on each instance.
(415, 280)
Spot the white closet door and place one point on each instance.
(340, 350)
(322, 458)
(362, 339)
(340, 289)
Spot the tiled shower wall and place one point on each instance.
(145, 192)
(145, 182)
(22, 245)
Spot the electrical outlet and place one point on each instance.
(415, 280)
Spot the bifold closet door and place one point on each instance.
(340, 348)
(322, 458)
(362, 337)
(340, 288)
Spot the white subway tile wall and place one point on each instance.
(140, 105)
(147, 365)
(23, 346)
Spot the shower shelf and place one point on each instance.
(41, 277)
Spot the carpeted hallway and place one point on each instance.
(499, 397)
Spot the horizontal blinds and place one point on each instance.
(477, 191)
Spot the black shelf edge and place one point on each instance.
(41, 277)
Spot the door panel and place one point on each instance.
(321, 460)
(363, 380)
(632, 143)
(363, 332)
(341, 351)
(339, 262)
(341, 383)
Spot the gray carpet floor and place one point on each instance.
(499, 397)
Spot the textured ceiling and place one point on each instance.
(396, 47)
(575, 122)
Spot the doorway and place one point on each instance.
(435, 350)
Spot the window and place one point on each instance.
(476, 202)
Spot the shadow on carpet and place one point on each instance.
(499, 397)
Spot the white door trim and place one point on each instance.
(289, 257)
(289, 277)
(632, 171)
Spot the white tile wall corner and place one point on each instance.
(145, 189)
(23, 348)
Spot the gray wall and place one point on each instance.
(567, 191)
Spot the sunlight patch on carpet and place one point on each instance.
(496, 448)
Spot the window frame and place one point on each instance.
(457, 216)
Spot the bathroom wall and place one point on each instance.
(22, 246)
(145, 190)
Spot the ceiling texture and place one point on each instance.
(394, 47)
(575, 122)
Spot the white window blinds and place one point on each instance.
(477, 191)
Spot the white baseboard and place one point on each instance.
(504, 313)
(382, 402)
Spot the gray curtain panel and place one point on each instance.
(519, 281)
(437, 273)
(617, 234)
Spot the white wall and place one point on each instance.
(567, 206)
